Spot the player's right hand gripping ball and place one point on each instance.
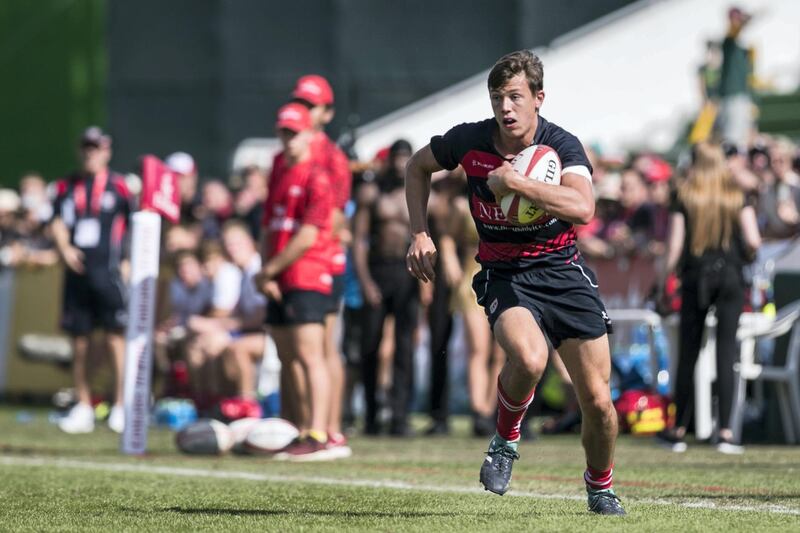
(537, 162)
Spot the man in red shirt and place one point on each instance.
(91, 211)
(316, 94)
(297, 280)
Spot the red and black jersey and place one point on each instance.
(299, 195)
(96, 210)
(504, 245)
(330, 158)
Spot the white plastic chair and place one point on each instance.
(786, 377)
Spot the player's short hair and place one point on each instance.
(521, 61)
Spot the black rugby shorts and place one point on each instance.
(96, 299)
(563, 299)
(298, 307)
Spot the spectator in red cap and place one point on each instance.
(659, 174)
(315, 93)
(296, 278)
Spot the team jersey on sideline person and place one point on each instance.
(96, 210)
(503, 245)
(299, 195)
(333, 161)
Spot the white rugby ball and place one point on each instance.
(537, 162)
(205, 437)
(240, 429)
(270, 435)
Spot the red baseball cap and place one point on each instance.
(657, 170)
(294, 117)
(313, 89)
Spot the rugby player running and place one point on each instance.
(534, 286)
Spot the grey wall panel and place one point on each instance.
(201, 75)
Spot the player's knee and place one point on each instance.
(531, 362)
(600, 408)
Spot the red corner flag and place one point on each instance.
(160, 189)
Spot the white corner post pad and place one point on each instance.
(581, 170)
(145, 245)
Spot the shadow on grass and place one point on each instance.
(79, 450)
(285, 512)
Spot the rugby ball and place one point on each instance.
(270, 435)
(240, 429)
(537, 162)
(205, 437)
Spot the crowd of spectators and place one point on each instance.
(211, 256)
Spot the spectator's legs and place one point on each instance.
(692, 324)
(80, 349)
(385, 358)
(351, 346)
(691, 328)
(290, 400)
(404, 306)
(728, 309)
(496, 363)
(335, 365)
(309, 343)
(239, 362)
(372, 324)
(440, 322)
(479, 343)
(214, 343)
(116, 348)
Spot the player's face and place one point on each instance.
(321, 115)
(296, 144)
(515, 108)
(94, 159)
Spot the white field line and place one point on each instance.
(344, 482)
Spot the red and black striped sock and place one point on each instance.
(598, 479)
(510, 413)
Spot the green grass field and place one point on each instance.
(52, 481)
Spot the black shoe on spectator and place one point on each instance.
(400, 428)
(483, 426)
(669, 440)
(438, 428)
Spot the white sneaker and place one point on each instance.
(116, 419)
(728, 448)
(79, 420)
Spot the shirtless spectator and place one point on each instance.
(249, 204)
(381, 238)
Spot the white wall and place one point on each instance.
(626, 81)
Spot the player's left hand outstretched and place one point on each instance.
(499, 179)
(421, 257)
